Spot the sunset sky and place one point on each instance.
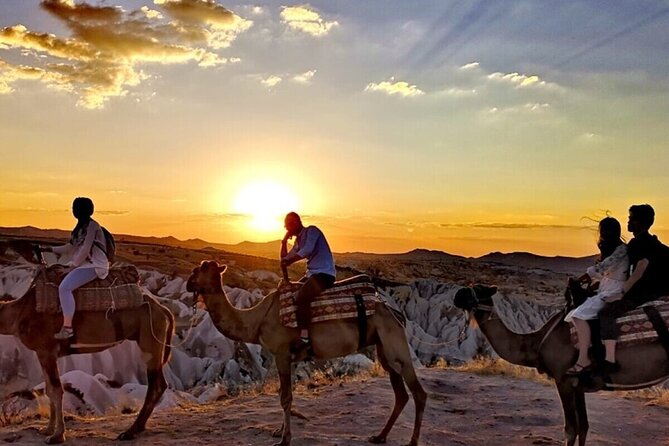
(464, 126)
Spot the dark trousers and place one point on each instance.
(639, 294)
(312, 288)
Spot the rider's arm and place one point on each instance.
(60, 250)
(639, 269)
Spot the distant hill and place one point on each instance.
(269, 250)
(416, 255)
(528, 260)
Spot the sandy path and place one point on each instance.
(464, 409)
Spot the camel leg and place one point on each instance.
(582, 414)
(286, 394)
(51, 428)
(397, 362)
(54, 389)
(156, 385)
(401, 396)
(568, 399)
(419, 397)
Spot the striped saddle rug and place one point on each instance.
(634, 326)
(338, 302)
(118, 291)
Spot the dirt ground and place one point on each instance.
(463, 409)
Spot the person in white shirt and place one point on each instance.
(85, 254)
(611, 273)
(310, 244)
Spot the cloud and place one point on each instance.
(305, 19)
(151, 13)
(271, 81)
(304, 78)
(112, 212)
(458, 92)
(470, 66)
(102, 58)
(496, 225)
(519, 80)
(530, 107)
(391, 87)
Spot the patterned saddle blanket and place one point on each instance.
(634, 326)
(338, 302)
(118, 291)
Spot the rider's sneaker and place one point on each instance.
(64, 333)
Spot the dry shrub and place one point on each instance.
(490, 366)
(653, 396)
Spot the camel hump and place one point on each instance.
(360, 278)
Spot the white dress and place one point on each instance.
(612, 273)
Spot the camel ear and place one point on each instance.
(222, 268)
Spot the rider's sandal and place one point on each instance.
(578, 369)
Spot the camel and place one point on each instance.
(330, 339)
(151, 325)
(550, 350)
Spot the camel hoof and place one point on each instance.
(55, 439)
(46, 431)
(377, 439)
(277, 432)
(125, 436)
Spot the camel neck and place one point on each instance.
(520, 349)
(234, 323)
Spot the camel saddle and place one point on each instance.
(118, 291)
(347, 299)
(641, 325)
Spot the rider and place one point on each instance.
(87, 257)
(649, 259)
(310, 244)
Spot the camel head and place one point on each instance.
(206, 278)
(23, 248)
(468, 298)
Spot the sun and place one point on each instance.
(265, 203)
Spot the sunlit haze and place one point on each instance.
(467, 127)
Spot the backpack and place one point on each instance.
(110, 245)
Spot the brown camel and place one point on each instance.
(551, 350)
(260, 325)
(151, 325)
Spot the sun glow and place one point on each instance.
(265, 203)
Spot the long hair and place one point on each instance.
(609, 237)
(82, 208)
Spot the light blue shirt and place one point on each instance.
(310, 244)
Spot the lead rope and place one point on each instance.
(112, 307)
(193, 321)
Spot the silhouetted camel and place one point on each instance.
(550, 349)
(260, 325)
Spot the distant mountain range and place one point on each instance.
(271, 250)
